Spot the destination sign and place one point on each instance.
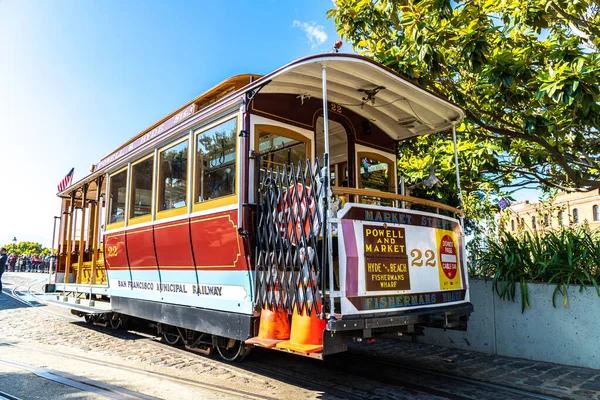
(148, 136)
(399, 217)
(409, 300)
(386, 261)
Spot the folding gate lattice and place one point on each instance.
(289, 237)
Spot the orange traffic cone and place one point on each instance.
(274, 328)
(307, 333)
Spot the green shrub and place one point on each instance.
(565, 257)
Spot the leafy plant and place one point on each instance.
(565, 257)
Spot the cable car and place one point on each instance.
(269, 212)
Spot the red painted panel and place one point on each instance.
(172, 241)
(140, 248)
(216, 241)
(115, 251)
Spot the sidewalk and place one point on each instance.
(551, 379)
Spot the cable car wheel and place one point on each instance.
(232, 350)
(172, 339)
(119, 322)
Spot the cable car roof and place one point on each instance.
(399, 107)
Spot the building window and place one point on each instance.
(118, 195)
(546, 220)
(215, 162)
(172, 180)
(142, 175)
(512, 225)
(596, 216)
(575, 216)
(560, 218)
(533, 225)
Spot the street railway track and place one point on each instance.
(362, 367)
(14, 293)
(355, 365)
(158, 375)
(81, 383)
(6, 396)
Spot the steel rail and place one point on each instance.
(14, 294)
(159, 375)
(456, 377)
(6, 396)
(81, 383)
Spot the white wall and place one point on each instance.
(564, 335)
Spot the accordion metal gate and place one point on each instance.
(290, 231)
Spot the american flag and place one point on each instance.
(66, 181)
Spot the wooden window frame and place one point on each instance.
(147, 217)
(162, 214)
(283, 132)
(116, 225)
(381, 158)
(220, 201)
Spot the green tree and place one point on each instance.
(526, 72)
(28, 248)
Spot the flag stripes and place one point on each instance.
(66, 181)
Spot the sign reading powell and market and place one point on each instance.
(386, 262)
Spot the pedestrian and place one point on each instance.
(3, 258)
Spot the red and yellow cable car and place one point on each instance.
(267, 212)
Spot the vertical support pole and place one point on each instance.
(96, 230)
(52, 257)
(91, 245)
(327, 193)
(69, 238)
(81, 234)
(243, 171)
(460, 198)
(402, 191)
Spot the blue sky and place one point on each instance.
(80, 77)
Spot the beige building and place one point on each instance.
(565, 209)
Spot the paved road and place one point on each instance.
(265, 373)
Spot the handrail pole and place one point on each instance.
(327, 192)
(52, 253)
(69, 237)
(81, 234)
(460, 198)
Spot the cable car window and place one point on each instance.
(142, 175)
(280, 150)
(375, 174)
(172, 180)
(118, 195)
(215, 162)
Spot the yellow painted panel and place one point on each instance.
(115, 225)
(171, 213)
(220, 202)
(140, 220)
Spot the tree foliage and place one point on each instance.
(27, 248)
(526, 72)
